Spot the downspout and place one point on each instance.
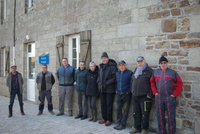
(14, 33)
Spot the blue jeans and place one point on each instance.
(12, 98)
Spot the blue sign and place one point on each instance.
(44, 58)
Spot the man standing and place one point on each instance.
(166, 85)
(45, 81)
(65, 76)
(123, 77)
(142, 94)
(14, 82)
(107, 84)
(80, 78)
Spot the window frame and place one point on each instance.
(70, 54)
(4, 9)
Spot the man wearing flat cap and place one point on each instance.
(141, 96)
(14, 82)
(166, 85)
(107, 84)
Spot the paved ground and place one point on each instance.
(46, 123)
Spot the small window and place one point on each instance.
(29, 48)
(74, 50)
(30, 3)
(3, 62)
(5, 9)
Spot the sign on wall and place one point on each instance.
(44, 58)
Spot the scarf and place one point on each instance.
(139, 71)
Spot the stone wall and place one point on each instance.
(125, 29)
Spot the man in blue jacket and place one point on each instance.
(123, 77)
(80, 78)
(65, 76)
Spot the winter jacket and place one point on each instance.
(166, 82)
(49, 80)
(92, 85)
(123, 81)
(66, 75)
(141, 85)
(80, 78)
(9, 82)
(107, 78)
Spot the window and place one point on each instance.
(5, 61)
(5, 9)
(30, 3)
(74, 50)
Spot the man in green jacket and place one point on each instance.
(80, 78)
(14, 82)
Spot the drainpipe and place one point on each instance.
(14, 32)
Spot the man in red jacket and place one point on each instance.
(166, 85)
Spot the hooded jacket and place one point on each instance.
(107, 77)
(141, 86)
(92, 85)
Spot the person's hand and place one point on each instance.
(156, 94)
(148, 97)
(172, 96)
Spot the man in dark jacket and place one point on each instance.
(142, 94)
(166, 85)
(45, 81)
(107, 85)
(15, 82)
(123, 77)
(80, 78)
(92, 89)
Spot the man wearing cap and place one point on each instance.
(123, 77)
(45, 81)
(141, 96)
(166, 85)
(14, 82)
(107, 83)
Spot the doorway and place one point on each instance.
(31, 72)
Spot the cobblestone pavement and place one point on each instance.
(46, 123)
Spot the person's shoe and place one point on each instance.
(40, 113)
(102, 121)
(120, 127)
(78, 116)
(108, 123)
(116, 126)
(59, 114)
(133, 131)
(91, 119)
(22, 110)
(144, 131)
(84, 117)
(70, 113)
(51, 112)
(10, 113)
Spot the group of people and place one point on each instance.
(106, 80)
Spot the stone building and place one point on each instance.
(83, 29)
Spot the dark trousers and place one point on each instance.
(107, 106)
(92, 100)
(12, 98)
(42, 95)
(164, 104)
(123, 104)
(82, 103)
(141, 111)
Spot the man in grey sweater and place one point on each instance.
(45, 81)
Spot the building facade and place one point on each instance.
(125, 29)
